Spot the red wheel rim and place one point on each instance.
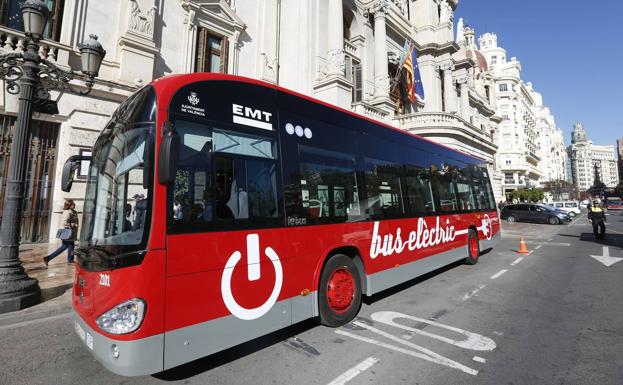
(473, 247)
(340, 290)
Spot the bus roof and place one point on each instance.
(167, 86)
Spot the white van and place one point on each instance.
(570, 207)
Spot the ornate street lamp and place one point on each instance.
(32, 77)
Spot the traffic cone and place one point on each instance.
(523, 249)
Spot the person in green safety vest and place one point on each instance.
(597, 216)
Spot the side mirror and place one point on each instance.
(69, 169)
(168, 155)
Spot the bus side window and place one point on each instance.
(465, 194)
(419, 191)
(444, 186)
(328, 185)
(383, 189)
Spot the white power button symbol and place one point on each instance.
(253, 274)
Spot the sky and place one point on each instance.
(571, 51)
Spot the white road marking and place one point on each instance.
(479, 359)
(517, 261)
(614, 231)
(551, 243)
(549, 240)
(498, 274)
(538, 247)
(473, 341)
(606, 259)
(472, 293)
(354, 371)
(423, 353)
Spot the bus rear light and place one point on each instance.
(123, 318)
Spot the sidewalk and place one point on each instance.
(54, 280)
(55, 283)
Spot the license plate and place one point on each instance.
(86, 337)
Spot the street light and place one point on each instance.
(32, 77)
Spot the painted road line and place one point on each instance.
(517, 261)
(479, 359)
(354, 371)
(549, 240)
(498, 274)
(422, 353)
(551, 243)
(473, 292)
(538, 247)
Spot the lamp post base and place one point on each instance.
(19, 293)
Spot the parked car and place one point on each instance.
(570, 207)
(529, 212)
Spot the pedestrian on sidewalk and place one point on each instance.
(69, 221)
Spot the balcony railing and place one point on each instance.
(441, 120)
(14, 41)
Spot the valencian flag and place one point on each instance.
(412, 81)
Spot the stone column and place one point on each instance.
(335, 54)
(381, 78)
(465, 113)
(449, 91)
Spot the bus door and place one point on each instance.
(226, 258)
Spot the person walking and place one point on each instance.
(597, 216)
(69, 221)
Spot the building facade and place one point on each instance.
(531, 148)
(345, 52)
(620, 158)
(586, 157)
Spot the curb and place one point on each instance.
(54, 307)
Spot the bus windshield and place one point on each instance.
(118, 192)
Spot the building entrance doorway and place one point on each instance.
(39, 176)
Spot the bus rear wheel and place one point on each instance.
(473, 248)
(339, 292)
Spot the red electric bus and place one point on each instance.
(219, 209)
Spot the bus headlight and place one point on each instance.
(123, 318)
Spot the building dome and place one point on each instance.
(479, 58)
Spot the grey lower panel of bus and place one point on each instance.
(392, 277)
(196, 341)
(145, 356)
(136, 357)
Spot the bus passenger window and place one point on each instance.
(384, 191)
(465, 195)
(419, 191)
(445, 187)
(328, 184)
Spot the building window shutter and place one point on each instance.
(358, 83)
(202, 50)
(224, 55)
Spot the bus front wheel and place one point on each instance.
(339, 292)
(473, 248)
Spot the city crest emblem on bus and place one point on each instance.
(486, 227)
(193, 98)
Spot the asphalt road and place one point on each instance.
(552, 317)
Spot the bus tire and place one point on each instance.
(339, 292)
(473, 248)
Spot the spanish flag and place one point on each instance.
(413, 80)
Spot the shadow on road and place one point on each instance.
(615, 240)
(205, 364)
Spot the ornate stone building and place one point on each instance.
(345, 52)
(586, 156)
(531, 148)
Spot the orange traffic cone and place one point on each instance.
(523, 249)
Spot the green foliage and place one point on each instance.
(527, 195)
